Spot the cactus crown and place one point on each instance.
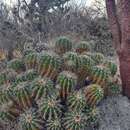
(74, 121)
(29, 120)
(76, 101)
(54, 125)
(50, 108)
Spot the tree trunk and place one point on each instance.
(125, 74)
(120, 28)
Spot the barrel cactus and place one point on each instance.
(93, 94)
(8, 111)
(71, 61)
(66, 83)
(49, 65)
(30, 120)
(22, 94)
(111, 66)
(62, 45)
(100, 75)
(98, 58)
(74, 121)
(31, 60)
(17, 65)
(54, 124)
(49, 108)
(83, 46)
(76, 101)
(42, 87)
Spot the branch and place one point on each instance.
(114, 23)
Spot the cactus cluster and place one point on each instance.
(56, 90)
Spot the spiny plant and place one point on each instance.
(99, 75)
(30, 120)
(76, 101)
(98, 58)
(8, 111)
(17, 65)
(3, 78)
(22, 94)
(74, 121)
(111, 66)
(38, 88)
(31, 60)
(86, 65)
(83, 46)
(114, 86)
(93, 94)
(66, 83)
(54, 124)
(49, 108)
(93, 115)
(6, 93)
(42, 87)
(7, 76)
(62, 45)
(49, 65)
(71, 61)
(29, 75)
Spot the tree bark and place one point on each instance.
(121, 37)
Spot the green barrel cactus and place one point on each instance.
(31, 60)
(3, 78)
(74, 121)
(100, 75)
(22, 94)
(8, 111)
(42, 87)
(6, 93)
(49, 108)
(93, 115)
(111, 66)
(82, 46)
(17, 65)
(86, 65)
(30, 75)
(76, 101)
(66, 83)
(93, 94)
(54, 124)
(62, 45)
(71, 61)
(49, 65)
(98, 58)
(30, 120)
